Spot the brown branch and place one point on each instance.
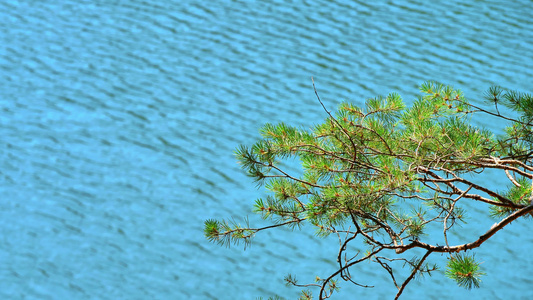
(379, 136)
(512, 179)
(502, 165)
(445, 249)
(286, 175)
(438, 178)
(507, 161)
(320, 297)
(450, 211)
(491, 113)
(343, 247)
(458, 191)
(297, 220)
(336, 122)
(388, 269)
(412, 274)
(334, 155)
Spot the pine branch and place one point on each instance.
(483, 238)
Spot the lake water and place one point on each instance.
(119, 120)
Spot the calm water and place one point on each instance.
(119, 119)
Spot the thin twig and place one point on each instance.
(336, 122)
(450, 213)
(412, 274)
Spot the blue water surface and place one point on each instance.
(119, 120)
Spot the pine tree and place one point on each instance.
(384, 173)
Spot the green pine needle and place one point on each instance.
(464, 270)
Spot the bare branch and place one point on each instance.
(412, 274)
(445, 249)
(450, 213)
(438, 178)
(388, 269)
(491, 113)
(512, 178)
(370, 255)
(336, 122)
